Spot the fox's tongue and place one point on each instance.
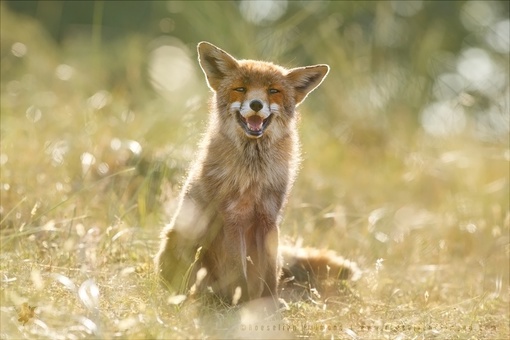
(254, 122)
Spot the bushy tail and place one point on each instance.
(310, 268)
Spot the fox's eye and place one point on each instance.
(273, 91)
(240, 89)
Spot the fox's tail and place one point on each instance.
(310, 268)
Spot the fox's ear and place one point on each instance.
(306, 79)
(215, 63)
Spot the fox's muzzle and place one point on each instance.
(254, 126)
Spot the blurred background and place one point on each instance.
(414, 114)
(405, 144)
(410, 127)
(413, 119)
(415, 109)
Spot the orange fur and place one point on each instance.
(231, 203)
(312, 268)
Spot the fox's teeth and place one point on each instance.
(255, 122)
(254, 125)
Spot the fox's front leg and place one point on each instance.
(269, 264)
(236, 266)
(174, 259)
(179, 242)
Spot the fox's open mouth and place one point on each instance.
(254, 125)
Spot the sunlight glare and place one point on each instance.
(33, 114)
(443, 118)
(19, 49)
(498, 37)
(264, 10)
(99, 99)
(87, 160)
(475, 65)
(64, 72)
(134, 146)
(170, 68)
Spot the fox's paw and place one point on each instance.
(174, 260)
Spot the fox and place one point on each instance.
(226, 227)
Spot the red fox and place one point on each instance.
(230, 206)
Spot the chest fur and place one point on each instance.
(248, 178)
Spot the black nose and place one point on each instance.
(256, 105)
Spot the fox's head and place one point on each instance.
(260, 96)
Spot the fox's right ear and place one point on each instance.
(215, 63)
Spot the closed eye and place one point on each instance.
(240, 89)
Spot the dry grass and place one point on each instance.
(91, 160)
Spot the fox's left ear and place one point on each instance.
(215, 63)
(306, 79)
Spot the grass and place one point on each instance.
(91, 161)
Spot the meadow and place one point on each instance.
(405, 166)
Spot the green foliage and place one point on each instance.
(405, 169)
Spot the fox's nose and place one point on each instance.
(256, 105)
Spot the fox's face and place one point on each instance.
(254, 107)
(260, 97)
